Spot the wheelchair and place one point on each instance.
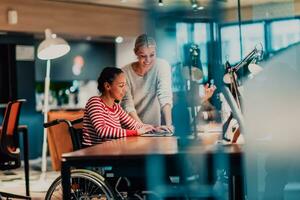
(91, 183)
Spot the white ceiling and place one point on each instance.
(143, 4)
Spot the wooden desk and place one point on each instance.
(130, 152)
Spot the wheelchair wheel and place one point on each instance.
(85, 185)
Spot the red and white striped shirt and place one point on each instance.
(101, 121)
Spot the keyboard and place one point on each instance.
(157, 134)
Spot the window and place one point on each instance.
(230, 44)
(201, 37)
(193, 33)
(252, 35)
(284, 33)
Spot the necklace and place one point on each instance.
(139, 71)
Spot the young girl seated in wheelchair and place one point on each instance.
(104, 117)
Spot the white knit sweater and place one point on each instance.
(147, 94)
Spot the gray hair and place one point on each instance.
(144, 41)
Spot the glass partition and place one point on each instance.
(271, 161)
(262, 113)
(187, 38)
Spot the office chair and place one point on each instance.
(9, 144)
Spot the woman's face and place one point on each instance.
(117, 88)
(146, 56)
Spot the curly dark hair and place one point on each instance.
(107, 75)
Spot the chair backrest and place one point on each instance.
(76, 134)
(59, 138)
(9, 139)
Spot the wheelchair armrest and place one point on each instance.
(22, 128)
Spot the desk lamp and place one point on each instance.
(50, 48)
(250, 61)
(233, 96)
(193, 75)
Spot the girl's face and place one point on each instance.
(117, 88)
(146, 56)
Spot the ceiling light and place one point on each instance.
(194, 5)
(160, 3)
(119, 39)
(200, 7)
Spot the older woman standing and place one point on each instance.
(149, 86)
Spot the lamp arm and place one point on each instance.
(249, 57)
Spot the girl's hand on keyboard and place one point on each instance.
(165, 128)
(146, 128)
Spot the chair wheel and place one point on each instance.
(85, 185)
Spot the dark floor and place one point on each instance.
(13, 181)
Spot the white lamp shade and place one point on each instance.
(52, 47)
(228, 78)
(195, 72)
(254, 68)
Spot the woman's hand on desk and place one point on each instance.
(146, 128)
(165, 128)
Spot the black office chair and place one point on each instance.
(9, 144)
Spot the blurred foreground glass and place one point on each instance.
(272, 108)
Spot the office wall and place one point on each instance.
(95, 56)
(263, 11)
(23, 78)
(83, 19)
(7, 72)
(29, 116)
(124, 52)
(70, 18)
